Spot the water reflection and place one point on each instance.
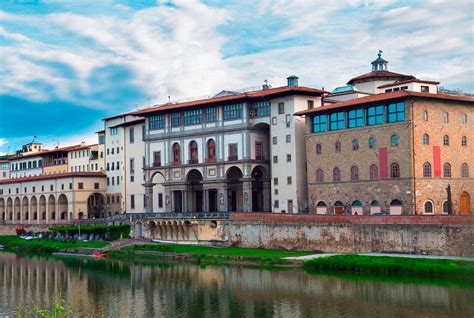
(121, 289)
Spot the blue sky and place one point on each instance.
(66, 64)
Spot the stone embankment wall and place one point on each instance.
(10, 229)
(434, 235)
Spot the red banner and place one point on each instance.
(437, 161)
(383, 162)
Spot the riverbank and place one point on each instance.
(392, 265)
(45, 245)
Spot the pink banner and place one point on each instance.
(437, 161)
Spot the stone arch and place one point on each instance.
(95, 206)
(338, 208)
(211, 150)
(63, 207)
(10, 209)
(321, 208)
(52, 207)
(356, 208)
(396, 207)
(34, 208)
(193, 152)
(259, 177)
(375, 207)
(234, 189)
(152, 229)
(42, 207)
(17, 208)
(194, 190)
(3, 212)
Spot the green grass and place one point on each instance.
(220, 251)
(46, 245)
(387, 265)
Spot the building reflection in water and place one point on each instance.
(119, 289)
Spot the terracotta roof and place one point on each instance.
(4, 161)
(55, 176)
(129, 123)
(46, 151)
(285, 90)
(408, 81)
(100, 131)
(378, 74)
(119, 115)
(385, 97)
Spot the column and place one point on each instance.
(168, 200)
(148, 197)
(267, 197)
(247, 195)
(184, 197)
(222, 198)
(205, 200)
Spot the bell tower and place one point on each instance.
(379, 64)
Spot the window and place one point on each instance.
(355, 118)
(233, 152)
(96, 185)
(446, 140)
(80, 186)
(176, 153)
(132, 164)
(258, 150)
(374, 172)
(464, 170)
(211, 115)
(113, 166)
(132, 201)
(354, 173)
(338, 146)
(160, 200)
(425, 115)
(211, 150)
(288, 139)
(51, 187)
(108, 166)
(447, 170)
(396, 112)
(114, 131)
(310, 104)
(289, 180)
(259, 109)
(131, 135)
(192, 117)
(318, 149)
(175, 119)
(428, 207)
(157, 122)
(375, 115)
(425, 89)
(288, 120)
(193, 152)
(319, 176)
(445, 207)
(62, 187)
(355, 144)
(132, 178)
(101, 140)
(464, 141)
(336, 175)
(388, 90)
(394, 140)
(288, 158)
(276, 204)
(281, 108)
(464, 118)
(445, 118)
(427, 170)
(118, 180)
(274, 140)
(426, 139)
(336, 121)
(395, 171)
(275, 181)
(156, 160)
(274, 120)
(319, 123)
(275, 159)
(113, 180)
(372, 143)
(233, 111)
(118, 165)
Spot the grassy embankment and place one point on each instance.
(44, 245)
(388, 265)
(207, 254)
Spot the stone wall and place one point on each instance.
(434, 235)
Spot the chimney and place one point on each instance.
(292, 81)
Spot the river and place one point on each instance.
(162, 289)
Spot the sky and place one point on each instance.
(65, 65)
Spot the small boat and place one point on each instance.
(100, 254)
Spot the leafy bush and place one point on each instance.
(112, 232)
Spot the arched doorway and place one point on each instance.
(356, 208)
(465, 204)
(375, 207)
(52, 208)
(396, 207)
(2, 209)
(24, 209)
(194, 191)
(10, 209)
(321, 208)
(338, 208)
(62, 207)
(234, 189)
(258, 175)
(34, 208)
(95, 206)
(42, 207)
(17, 209)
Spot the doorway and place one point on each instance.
(465, 204)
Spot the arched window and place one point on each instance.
(464, 118)
(394, 170)
(354, 173)
(446, 117)
(193, 152)
(426, 139)
(336, 175)
(428, 207)
(176, 153)
(425, 115)
(211, 150)
(447, 170)
(374, 172)
(446, 140)
(464, 170)
(338, 146)
(445, 207)
(355, 144)
(319, 176)
(318, 149)
(427, 170)
(372, 143)
(394, 140)
(464, 141)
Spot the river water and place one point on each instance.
(162, 289)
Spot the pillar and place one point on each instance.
(222, 205)
(267, 197)
(205, 200)
(149, 197)
(247, 195)
(184, 198)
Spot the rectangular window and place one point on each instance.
(132, 201)
(275, 140)
(396, 112)
(425, 89)
(118, 180)
(144, 201)
(211, 115)
(319, 123)
(40, 163)
(288, 158)
(288, 120)
(281, 108)
(388, 90)
(132, 165)
(160, 200)
(275, 159)
(276, 204)
(258, 150)
(175, 119)
(114, 131)
(233, 111)
(233, 155)
(62, 186)
(288, 139)
(101, 140)
(51, 187)
(157, 122)
(310, 104)
(132, 135)
(80, 186)
(275, 181)
(192, 117)
(259, 109)
(375, 115)
(70, 185)
(156, 158)
(289, 180)
(336, 121)
(355, 118)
